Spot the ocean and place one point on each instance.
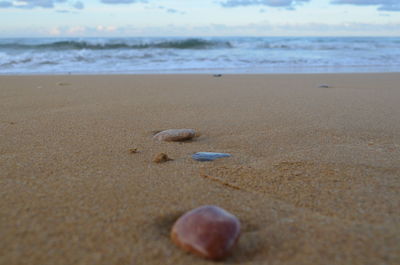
(199, 55)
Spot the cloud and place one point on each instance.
(252, 29)
(78, 5)
(307, 29)
(63, 11)
(30, 4)
(5, 4)
(80, 30)
(122, 1)
(54, 31)
(171, 10)
(273, 3)
(76, 30)
(383, 5)
(268, 29)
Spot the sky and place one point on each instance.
(123, 18)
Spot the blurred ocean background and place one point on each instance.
(199, 55)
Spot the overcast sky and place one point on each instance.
(64, 18)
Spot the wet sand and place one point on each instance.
(314, 175)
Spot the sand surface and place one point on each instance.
(314, 175)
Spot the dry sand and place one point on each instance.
(314, 175)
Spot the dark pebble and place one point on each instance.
(208, 231)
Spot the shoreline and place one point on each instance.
(215, 71)
(199, 54)
(193, 74)
(313, 175)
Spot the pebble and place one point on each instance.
(175, 135)
(63, 84)
(208, 156)
(324, 86)
(217, 75)
(133, 150)
(161, 158)
(208, 231)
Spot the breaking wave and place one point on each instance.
(191, 43)
(198, 55)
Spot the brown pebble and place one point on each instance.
(133, 150)
(207, 231)
(174, 135)
(161, 158)
(63, 84)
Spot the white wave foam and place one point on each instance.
(135, 55)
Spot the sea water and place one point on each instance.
(199, 55)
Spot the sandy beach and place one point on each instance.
(314, 176)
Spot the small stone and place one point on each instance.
(133, 150)
(63, 84)
(217, 75)
(161, 158)
(207, 231)
(175, 135)
(208, 156)
(324, 86)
